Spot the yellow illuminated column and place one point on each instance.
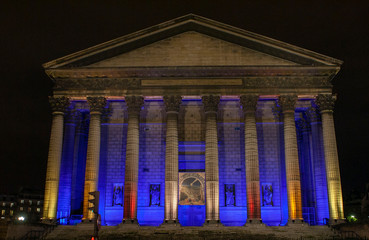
(172, 104)
(58, 106)
(287, 102)
(326, 104)
(134, 104)
(96, 105)
(251, 159)
(211, 159)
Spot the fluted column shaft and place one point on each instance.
(58, 106)
(96, 105)
(251, 159)
(134, 104)
(211, 158)
(326, 104)
(66, 166)
(287, 103)
(318, 164)
(171, 159)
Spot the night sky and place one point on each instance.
(35, 32)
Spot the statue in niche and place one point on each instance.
(118, 195)
(267, 191)
(230, 195)
(154, 195)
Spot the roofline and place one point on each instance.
(199, 20)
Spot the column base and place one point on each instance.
(86, 221)
(170, 223)
(254, 222)
(48, 221)
(212, 223)
(129, 223)
(296, 222)
(336, 221)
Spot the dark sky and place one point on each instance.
(35, 32)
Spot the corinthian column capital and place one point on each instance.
(134, 104)
(172, 103)
(210, 103)
(249, 102)
(325, 102)
(312, 114)
(59, 104)
(287, 102)
(96, 104)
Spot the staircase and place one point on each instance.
(39, 234)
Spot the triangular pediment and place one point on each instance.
(191, 40)
(192, 49)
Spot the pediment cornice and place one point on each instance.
(198, 24)
(236, 71)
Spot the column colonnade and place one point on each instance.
(326, 105)
(210, 103)
(134, 104)
(58, 106)
(248, 103)
(172, 104)
(96, 105)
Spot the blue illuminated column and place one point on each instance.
(58, 106)
(96, 105)
(317, 155)
(287, 103)
(211, 159)
(79, 163)
(251, 159)
(66, 169)
(134, 104)
(326, 105)
(172, 104)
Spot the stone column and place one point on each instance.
(172, 104)
(211, 159)
(318, 165)
(66, 166)
(58, 106)
(134, 104)
(251, 159)
(96, 105)
(326, 104)
(287, 103)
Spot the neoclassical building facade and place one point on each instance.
(194, 122)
